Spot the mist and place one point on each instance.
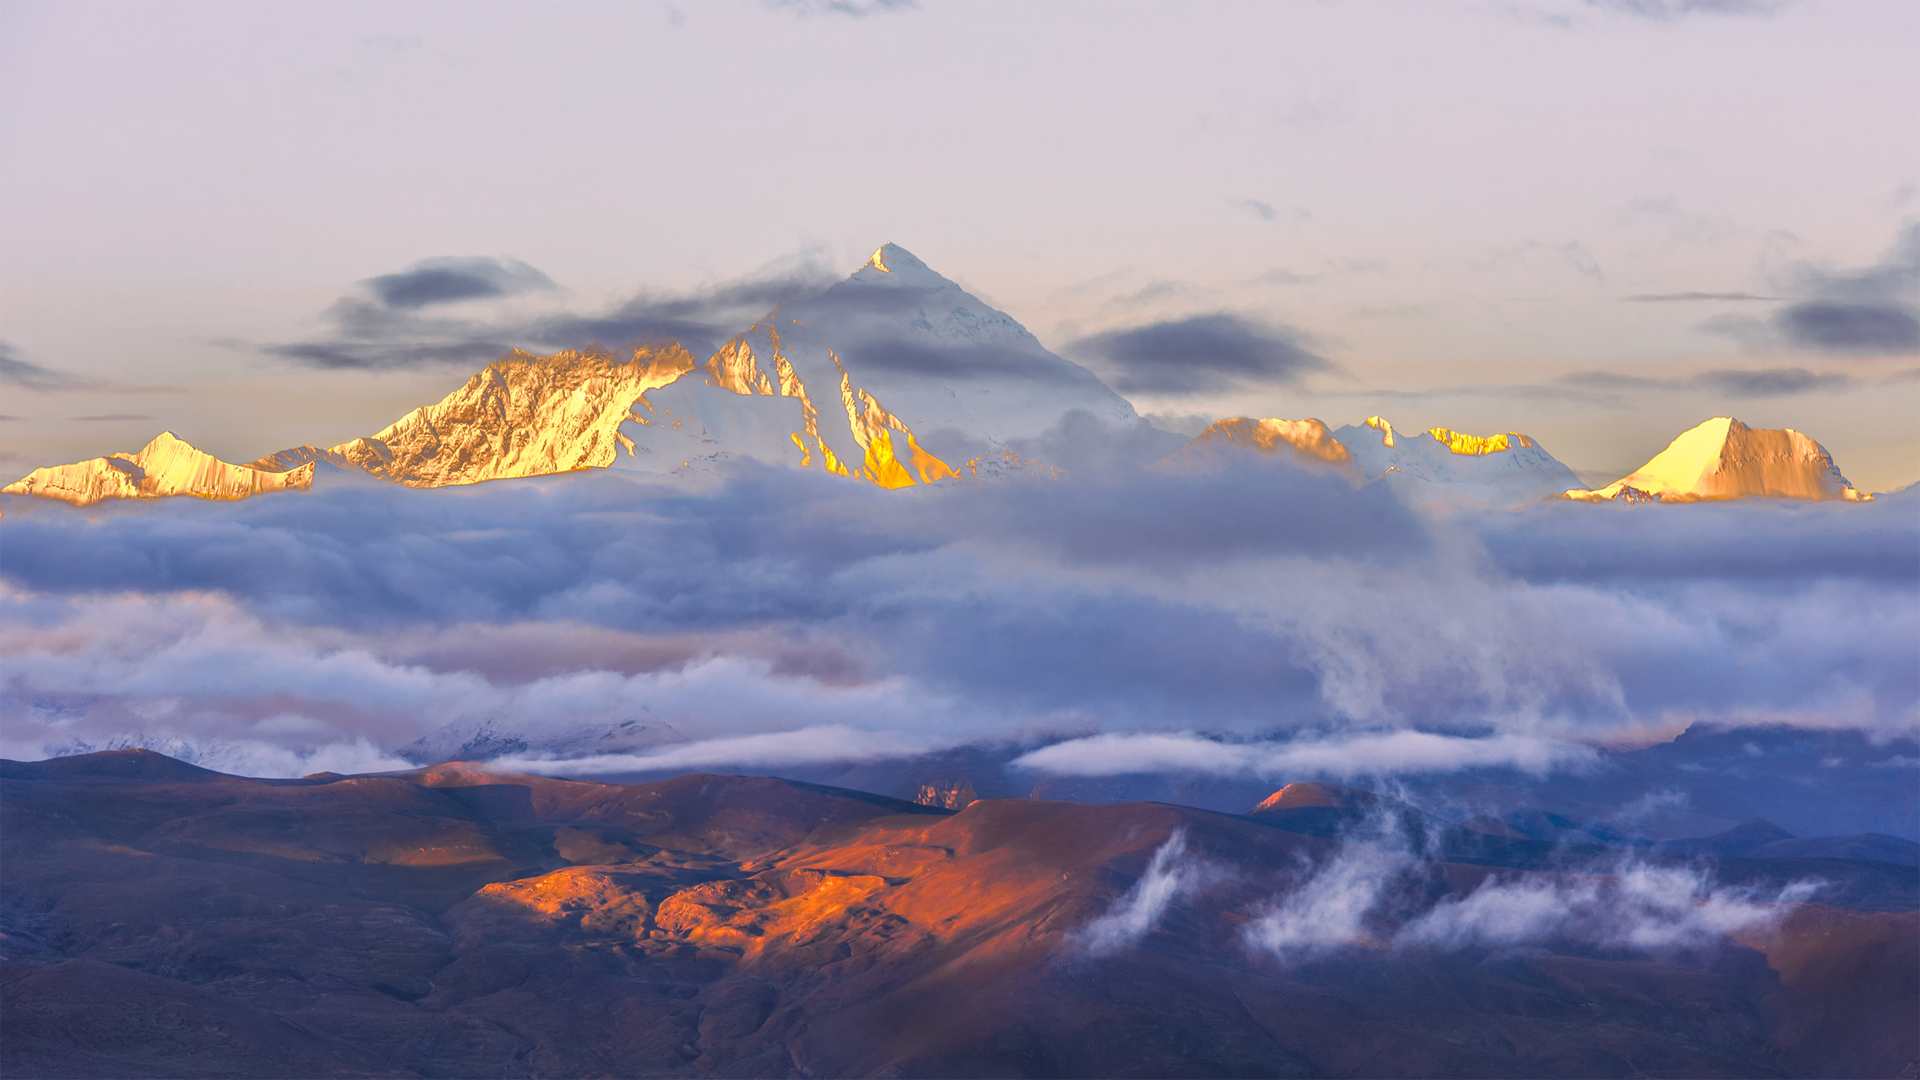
(1266, 623)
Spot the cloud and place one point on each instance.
(1830, 326)
(1264, 211)
(31, 376)
(1368, 754)
(1674, 10)
(807, 746)
(389, 323)
(1637, 906)
(1569, 253)
(1688, 297)
(850, 9)
(1201, 354)
(450, 280)
(1331, 908)
(1259, 622)
(1768, 382)
(1723, 382)
(1871, 311)
(1369, 891)
(1169, 875)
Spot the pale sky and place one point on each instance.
(1455, 206)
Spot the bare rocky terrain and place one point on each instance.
(163, 920)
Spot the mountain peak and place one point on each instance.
(168, 465)
(892, 264)
(1723, 458)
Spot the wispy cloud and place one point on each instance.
(1861, 313)
(1636, 906)
(848, 9)
(807, 746)
(1698, 297)
(1261, 210)
(1171, 874)
(31, 376)
(1666, 11)
(451, 280)
(1345, 757)
(400, 320)
(1201, 354)
(27, 375)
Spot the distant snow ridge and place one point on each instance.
(165, 466)
(1507, 470)
(485, 740)
(1725, 459)
(1303, 441)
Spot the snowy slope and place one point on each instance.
(896, 375)
(1507, 470)
(522, 415)
(1302, 441)
(165, 466)
(1725, 459)
(484, 740)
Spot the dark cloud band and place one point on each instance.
(1201, 354)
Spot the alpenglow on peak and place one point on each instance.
(892, 264)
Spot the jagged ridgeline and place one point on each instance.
(898, 377)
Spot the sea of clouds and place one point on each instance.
(1255, 622)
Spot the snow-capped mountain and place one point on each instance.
(896, 375)
(484, 740)
(522, 416)
(1439, 465)
(1303, 441)
(1725, 459)
(165, 466)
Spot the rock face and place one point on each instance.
(1305, 441)
(1725, 459)
(1508, 470)
(166, 466)
(157, 919)
(522, 416)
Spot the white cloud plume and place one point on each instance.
(1347, 756)
(1349, 899)
(831, 742)
(1330, 908)
(1638, 906)
(1170, 875)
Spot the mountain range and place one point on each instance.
(897, 376)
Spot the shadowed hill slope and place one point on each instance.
(455, 922)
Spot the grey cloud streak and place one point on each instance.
(1310, 625)
(1201, 353)
(1726, 382)
(24, 374)
(1867, 312)
(450, 280)
(28, 375)
(385, 324)
(1665, 11)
